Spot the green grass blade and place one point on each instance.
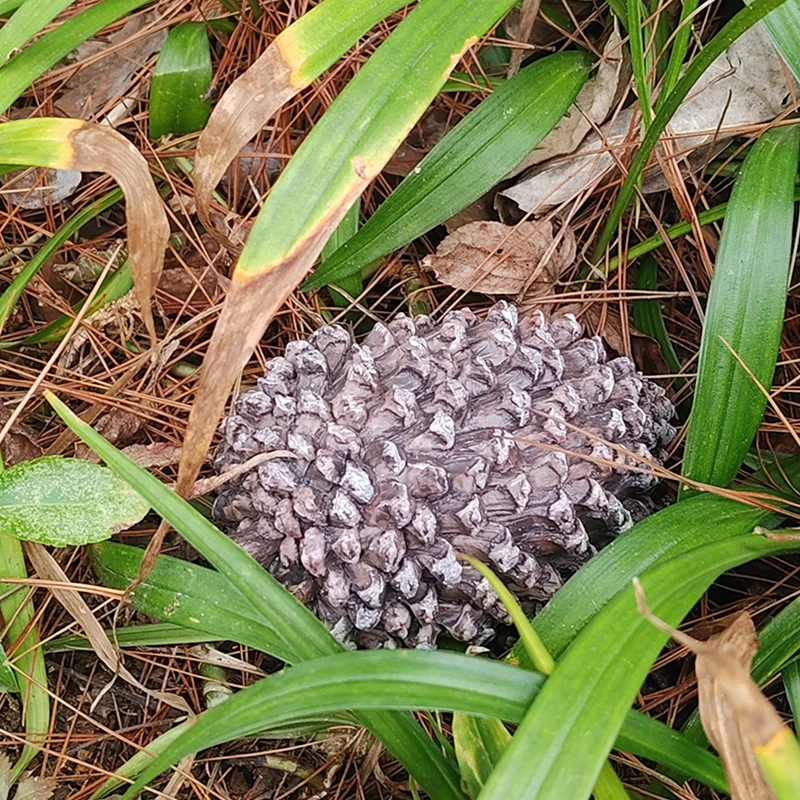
(156, 634)
(377, 679)
(783, 26)
(33, 16)
(191, 596)
(670, 532)
(481, 150)
(19, 73)
(11, 296)
(745, 309)
(16, 607)
(647, 316)
(550, 756)
(731, 31)
(637, 36)
(680, 46)
(345, 230)
(294, 623)
(181, 79)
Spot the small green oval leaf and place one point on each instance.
(66, 501)
(181, 80)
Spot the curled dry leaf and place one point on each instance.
(737, 718)
(97, 148)
(494, 258)
(747, 85)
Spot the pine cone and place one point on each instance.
(420, 444)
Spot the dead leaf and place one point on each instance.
(590, 109)
(118, 427)
(157, 454)
(494, 258)
(17, 445)
(747, 85)
(28, 788)
(736, 716)
(39, 187)
(107, 77)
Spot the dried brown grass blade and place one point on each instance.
(95, 147)
(736, 716)
(241, 113)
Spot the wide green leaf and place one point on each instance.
(189, 595)
(673, 531)
(479, 742)
(294, 623)
(66, 501)
(8, 678)
(745, 310)
(480, 151)
(783, 26)
(559, 748)
(181, 80)
(400, 679)
(22, 644)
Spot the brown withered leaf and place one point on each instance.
(112, 63)
(17, 445)
(494, 258)
(96, 148)
(735, 714)
(157, 454)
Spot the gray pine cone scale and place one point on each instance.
(420, 444)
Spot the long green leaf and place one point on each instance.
(480, 151)
(745, 310)
(19, 73)
(181, 79)
(156, 634)
(783, 26)
(559, 748)
(294, 623)
(297, 56)
(671, 532)
(369, 680)
(730, 32)
(26, 654)
(32, 17)
(191, 596)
